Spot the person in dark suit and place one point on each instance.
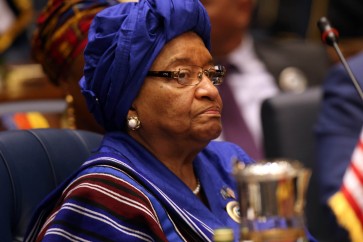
(260, 67)
(337, 132)
(340, 118)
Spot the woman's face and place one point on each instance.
(170, 110)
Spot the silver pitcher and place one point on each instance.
(272, 199)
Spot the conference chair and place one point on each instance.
(32, 164)
(287, 123)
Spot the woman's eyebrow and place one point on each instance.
(187, 61)
(178, 61)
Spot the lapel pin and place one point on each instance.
(227, 192)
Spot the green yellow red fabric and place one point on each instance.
(61, 33)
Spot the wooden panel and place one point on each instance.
(27, 82)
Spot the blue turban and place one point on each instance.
(124, 41)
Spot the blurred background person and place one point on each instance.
(259, 67)
(340, 119)
(337, 132)
(57, 44)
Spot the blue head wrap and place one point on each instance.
(124, 41)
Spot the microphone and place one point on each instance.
(330, 36)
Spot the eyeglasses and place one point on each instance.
(192, 75)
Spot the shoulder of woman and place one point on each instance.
(109, 187)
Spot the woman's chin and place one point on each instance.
(211, 133)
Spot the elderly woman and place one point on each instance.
(150, 82)
(57, 45)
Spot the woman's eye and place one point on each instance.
(184, 75)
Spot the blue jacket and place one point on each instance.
(337, 131)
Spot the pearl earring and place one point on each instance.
(133, 122)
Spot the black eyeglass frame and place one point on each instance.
(217, 79)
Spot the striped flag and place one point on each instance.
(347, 203)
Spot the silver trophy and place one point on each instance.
(272, 199)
